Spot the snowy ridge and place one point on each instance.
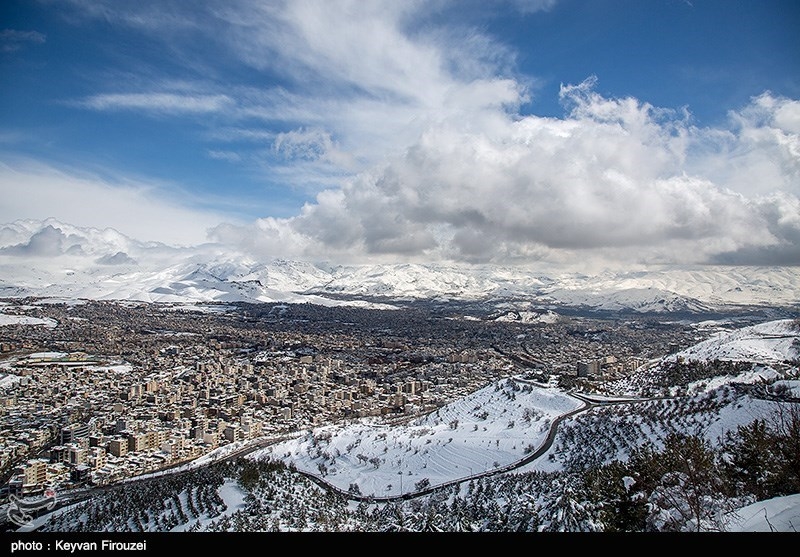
(523, 316)
(774, 341)
(56, 260)
(413, 281)
(641, 300)
(491, 428)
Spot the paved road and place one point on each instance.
(545, 446)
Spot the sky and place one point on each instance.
(567, 132)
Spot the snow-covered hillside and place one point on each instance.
(617, 297)
(756, 354)
(497, 427)
(779, 514)
(490, 429)
(774, 341)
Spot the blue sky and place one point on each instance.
(658, 131)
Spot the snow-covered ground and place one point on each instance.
(106, 265)
(773, 341)
(500, 425)
(7, 380)
(492, 428)
(47, 355)
(233, 497)
(781, 514)
(8, 319)
(211, 456)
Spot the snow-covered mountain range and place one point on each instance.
(54, 259)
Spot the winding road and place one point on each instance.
(587, 403)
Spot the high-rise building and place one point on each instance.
(72, 432)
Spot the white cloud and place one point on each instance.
(761, 154)
(159, 102)
(415, 132)
(12, 40)
(230, 156)
(531, 6)
(31, 190)
(162, 16)
(367, 75)
(48, 242)
(610, 179)
(311, 145)
(359, 81)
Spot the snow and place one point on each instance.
(454, 443)
(7, 319)
(211, 456)
(781, 514)
(148, 272)
(233, 497)
(40, 520)
(641, 300)
(196, 308)
(793, 387)
(498, 427)
(47, 355)
(740, 413)
(7, 381)
(758, 374)
(230, 492)
(530, 317)
(773, 341)
(218, 453)
(490, 429)
(121, 369)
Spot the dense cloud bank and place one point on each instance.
(615, 178)
(415, 137)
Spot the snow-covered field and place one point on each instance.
(494, 427)
(781, 514)
(7, 319)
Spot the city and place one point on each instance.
(95, 392)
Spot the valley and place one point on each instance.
(383, 408)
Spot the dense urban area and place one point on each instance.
(94, 392)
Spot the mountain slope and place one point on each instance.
(774, 341)
(492, 428)
(470, 447)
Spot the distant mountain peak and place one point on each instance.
(104, 264)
